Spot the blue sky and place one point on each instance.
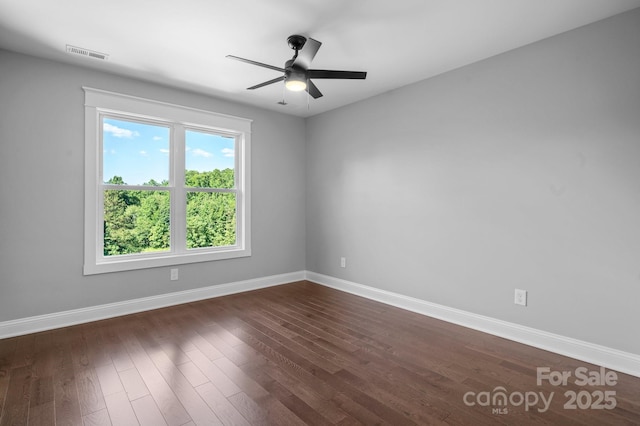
(140, 152)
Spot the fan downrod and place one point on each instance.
(296, 42)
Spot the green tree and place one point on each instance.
(119, 220)
(153, 221)
(211, 219)
(137, 221)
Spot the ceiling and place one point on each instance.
(183, 44)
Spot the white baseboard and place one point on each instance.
(79, 316)
(614, 359)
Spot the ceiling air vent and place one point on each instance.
(86, 52)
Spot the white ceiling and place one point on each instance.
(184, 43)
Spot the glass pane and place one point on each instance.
(211, 219)
(136, 221)
(134, 153)
(209, 160)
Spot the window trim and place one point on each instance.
(101, 102)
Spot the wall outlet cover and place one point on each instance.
(520, 297)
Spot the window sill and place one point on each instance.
(124, 263)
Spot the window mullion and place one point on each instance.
(178, 199)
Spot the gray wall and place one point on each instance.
(41, 193)
(520, 171)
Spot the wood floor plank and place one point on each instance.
(7, 349)
(220, 405)
(109, 379)
(177, 330)
(289, 398)
(147, 412)
(41, 399)
(205, 347)
(65, 392)
(324, 407)
(294, 354)
(192, 374)
(296, 364)
(313, 331)
(171, 408)
(114, 347)
(90, 394)
(96, 347)
(24, 351)
(98, 418)
(238, 353)
(216, 376)
(197, 409)
(249, 409)
(254, 398)
(16, 406)
(120, 410)
(41, 414)
(325, 391)
(287, 338)
(89, 391)
(133, 384)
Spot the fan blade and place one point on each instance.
(306, 55)
(313, 90)
(266, 83)
(260, 64)
(355, 75)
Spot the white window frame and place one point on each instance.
(100, 103)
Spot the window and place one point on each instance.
(164, 184)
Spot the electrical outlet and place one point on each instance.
(343, 262)
(520, 297)
(174, 274)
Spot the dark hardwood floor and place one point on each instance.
(291, 355)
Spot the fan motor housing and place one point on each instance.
(291, 70)
(296, 42)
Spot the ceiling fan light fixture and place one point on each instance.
(295, 85)
(297, 73)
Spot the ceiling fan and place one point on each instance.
(296, 72)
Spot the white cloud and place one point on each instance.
(228, 152)
(119, 132)
(164, 151)
(201, 153)
(143, 153)
(157, 138)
